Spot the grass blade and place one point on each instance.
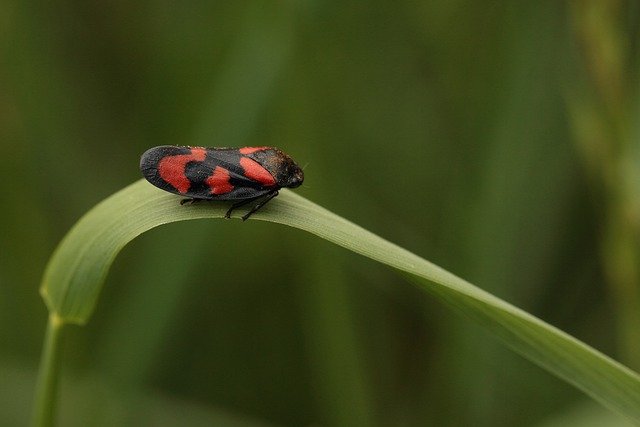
(76, 272)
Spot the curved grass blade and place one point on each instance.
(76, 272)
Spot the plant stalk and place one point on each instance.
(46, 387)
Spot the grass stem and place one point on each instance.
(45, 400)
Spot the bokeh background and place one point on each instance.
(497, 139)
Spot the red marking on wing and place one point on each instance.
(249, 150)
(219, 181)
(256, 172)
(171, 168)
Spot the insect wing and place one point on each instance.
(164, 166)
(227, 175)
(216, 174)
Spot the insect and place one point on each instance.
(242, 175)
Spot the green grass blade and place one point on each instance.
(76, 272)
(46, 389)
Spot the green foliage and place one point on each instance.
(76, 273)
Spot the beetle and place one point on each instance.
(242, 175)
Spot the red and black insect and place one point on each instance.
(238, 174)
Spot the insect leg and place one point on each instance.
(260, 204)
(238, 204)
(189, 201)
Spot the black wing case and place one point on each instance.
(201, 173)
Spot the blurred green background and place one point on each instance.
(499, 140)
